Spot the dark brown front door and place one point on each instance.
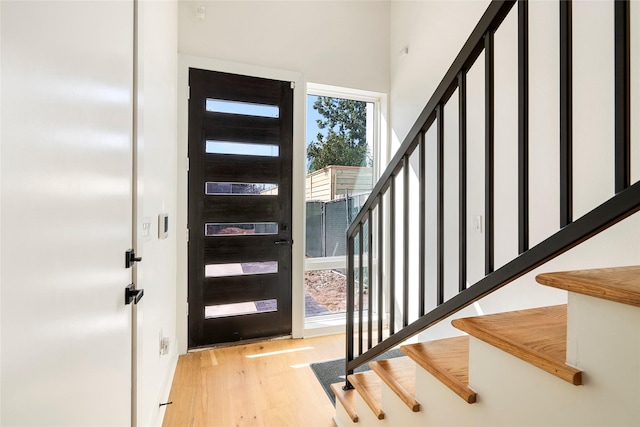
(240, 154)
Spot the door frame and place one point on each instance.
(298, 172)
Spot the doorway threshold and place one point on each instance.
(237, 343)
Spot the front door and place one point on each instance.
(240, 154)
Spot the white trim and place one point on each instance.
(342, 92)
(299, 154)
(325, 263)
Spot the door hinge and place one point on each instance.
(187, 235)
(293, 85)
(187, 308)
(188, 92)
(187, 164)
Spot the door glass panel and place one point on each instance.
(240, 188)
(242, 148)
(240, 308)
(240, 229)
(243, 108)
(240, 269)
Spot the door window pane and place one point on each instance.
(240, 188)
(242, 148)
(243, 108)
(240, 308)
(240, 269)
(240, 229)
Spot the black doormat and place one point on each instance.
(332, 371)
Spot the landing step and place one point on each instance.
(448, 361)
(347, 398)
(537, 336)
(369, 385)
(399, 374)
(619, 284)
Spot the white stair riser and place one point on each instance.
(341, 418)
(396, 412)
(600, 332)
(365, 414)
(440, 406)
(514, 392)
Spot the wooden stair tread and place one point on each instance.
(619, 284)
(347, 398)
(448, 361)
(537, 336)
(369, 385)
(399, 374)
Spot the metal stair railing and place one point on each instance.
(371, 299)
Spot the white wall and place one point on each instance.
(434, 32)
(342, 44)
(157, 190)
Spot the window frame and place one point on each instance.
(332, 323)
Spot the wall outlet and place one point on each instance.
(165, 342)
(164, 346)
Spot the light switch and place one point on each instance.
(477, 223)
(146, 229)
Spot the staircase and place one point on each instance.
(574, 364)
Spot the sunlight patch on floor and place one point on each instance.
(274, 353)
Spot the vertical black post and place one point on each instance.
(566, 114)
(523, 125)
(350, 306)
(392, 256)
(360, 288)
(323, 227)
(440, 205)
(369, 280)
(622, 95)
(462, 181)
(489, 159)
(422, 225)
(380, 264)
(405, 241)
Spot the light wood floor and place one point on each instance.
(266, 384)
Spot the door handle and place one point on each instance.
(284, 242)
(130, 258)
(131, 294)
